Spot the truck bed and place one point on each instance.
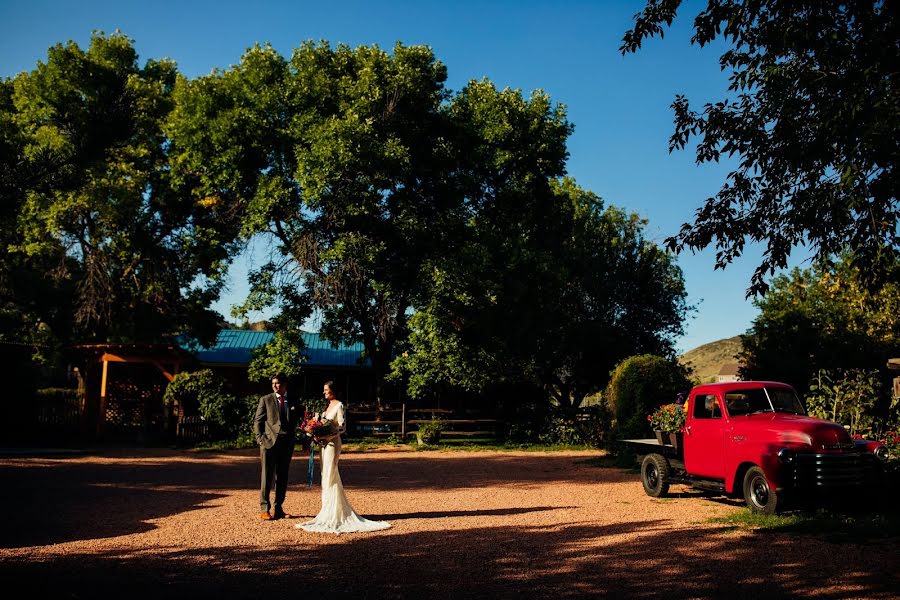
(651, 446)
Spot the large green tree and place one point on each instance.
(92, 195)
(33, 306)
(568, 290)
(341, 157)
(812, 114)
(821, 318)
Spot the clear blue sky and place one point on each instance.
(619, 105)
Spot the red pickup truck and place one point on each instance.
(754, 438)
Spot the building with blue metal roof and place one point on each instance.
(230, 356)
(236, 346)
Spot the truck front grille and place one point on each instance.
(827, 470)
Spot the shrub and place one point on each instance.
(430, 431)
(203, 393)
(638, 385)
(588, 427)
(246, 434)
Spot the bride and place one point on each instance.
(336, 515)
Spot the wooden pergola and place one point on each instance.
(167, 358)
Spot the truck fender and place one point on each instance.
(733, 485)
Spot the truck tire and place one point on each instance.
(759, 496)
(654, 475)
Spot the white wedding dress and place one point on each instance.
(336, 515)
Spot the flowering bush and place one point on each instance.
(668, 417)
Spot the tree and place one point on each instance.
(341, 157)
(33, 306)
(93, 197)
(361, 168)
(821, 318)
(567, 292)
(811, 113)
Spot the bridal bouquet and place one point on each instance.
(318, 428)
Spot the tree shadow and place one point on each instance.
(69, 498)
(573, 561)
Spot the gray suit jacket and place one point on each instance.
(268, 425)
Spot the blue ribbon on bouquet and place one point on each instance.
(312, 464)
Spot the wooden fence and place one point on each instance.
(191, 429)
(403, 422)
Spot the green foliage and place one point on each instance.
(340, 155)
(821, 318)
(811, 116)
(589, 427)
(836, 526)
(281, 354)
(430, 431)
(569, 290)
(203, 393)
(891, 439)
(638, 385)
(137, 256)
(314, 405)
(245, 426)
(844, 396)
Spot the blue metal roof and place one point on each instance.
(234, 346)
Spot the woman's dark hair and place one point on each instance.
(334, 389)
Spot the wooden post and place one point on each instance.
(403, 422)
(101, 418)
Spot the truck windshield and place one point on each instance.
(745, 402)
(785, 401)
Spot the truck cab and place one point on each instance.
(754, 438)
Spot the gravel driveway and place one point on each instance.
(170, 523)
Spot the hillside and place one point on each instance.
(706, 360)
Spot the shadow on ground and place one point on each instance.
(52, 501)
(477, 563)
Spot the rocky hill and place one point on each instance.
(708, 359)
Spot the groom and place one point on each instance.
(274, 427)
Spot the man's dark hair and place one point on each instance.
(282, 379)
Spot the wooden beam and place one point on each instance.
(107, 357)
(165, 373)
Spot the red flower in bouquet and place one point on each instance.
(318, 428)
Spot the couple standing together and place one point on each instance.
(274, 425)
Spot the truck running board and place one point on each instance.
(707, 485)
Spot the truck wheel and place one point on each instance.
(654, 472)
(758, 495)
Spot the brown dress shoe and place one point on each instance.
(265, 516)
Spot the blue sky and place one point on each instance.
(620, 106)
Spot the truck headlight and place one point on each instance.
(785, 456)
(881, 453)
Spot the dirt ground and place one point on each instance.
(171, 524)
